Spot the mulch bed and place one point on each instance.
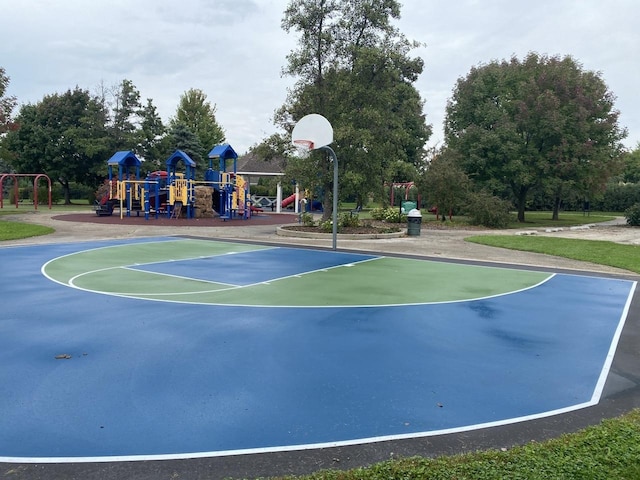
(163, 221)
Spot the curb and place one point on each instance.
(283, 232)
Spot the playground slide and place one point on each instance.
(289, 200)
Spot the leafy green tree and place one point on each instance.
(64, 136)
(7, 103)
(196, 113)
(444, 184)
(631, 166)
(542, 123)
(354, 67)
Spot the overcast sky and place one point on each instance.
(234, 50)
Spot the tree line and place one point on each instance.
(71, 135)
(516, 131)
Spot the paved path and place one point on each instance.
(436, 243)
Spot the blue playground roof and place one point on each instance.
(178, 155)
(223, 151)
(125, 158)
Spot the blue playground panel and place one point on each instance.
(155, 380)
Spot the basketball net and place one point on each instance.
(304, 147)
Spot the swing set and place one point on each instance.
(16, 178)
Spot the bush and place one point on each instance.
(389, 215)
(618, 197)
(26, 194)
(326, 226)
(347, 220)
(307, 219)
(633, 215)
(489, 211)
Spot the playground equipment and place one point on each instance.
(306, 197)
(15, 177)
(405, 205)
(173, 193)
(233, 195)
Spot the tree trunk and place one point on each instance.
(66, 190)
(327, 203)
(521, 199)
(556, 208)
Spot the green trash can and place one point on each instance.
(414, 223)
(406, 207)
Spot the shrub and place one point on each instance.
(307, 219)
(347, 220)
(377, 213)
(633, 215)
(389, 215)
(489, 211)
(326, 226)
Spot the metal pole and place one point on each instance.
(335, 194)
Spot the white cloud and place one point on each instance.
(234, 50)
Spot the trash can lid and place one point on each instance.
(414, 213)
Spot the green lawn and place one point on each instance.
(595, 251)
(608, 451)
(17, 230)
(565, 219)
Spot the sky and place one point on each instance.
(234, 50)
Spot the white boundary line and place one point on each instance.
(293, 448)
(612, 349)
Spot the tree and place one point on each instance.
(444, 184)
(631, 162)
(7, 103)
(152, 136)
(63, 135)
(198, 115)
(354, 68)
(126, 116)
(542, 122)
(183, 138)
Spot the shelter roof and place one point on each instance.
(252, 163)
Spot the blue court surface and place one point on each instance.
(180, 348)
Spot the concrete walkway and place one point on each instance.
(433, 243)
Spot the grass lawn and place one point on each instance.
(565, 219)
(608, 451)
(17, 230)
(594, 251)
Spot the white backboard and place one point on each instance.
(312, 128)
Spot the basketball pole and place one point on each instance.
(335, 194)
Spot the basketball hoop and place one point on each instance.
(303, 147)
(314, 132)
(303, 144)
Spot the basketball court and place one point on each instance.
(177, 348)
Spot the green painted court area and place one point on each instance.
(221, 273)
